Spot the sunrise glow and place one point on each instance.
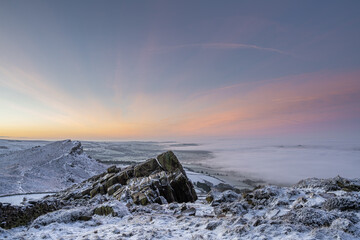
(69, 72)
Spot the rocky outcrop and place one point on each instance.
(13, 216)
(330, 184)
(347, 203)
(157, 180)
(215, 198)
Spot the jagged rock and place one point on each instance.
(86, 192)
(173, 205)
(169, 162)
(146, 168)
(222, 187)
(331, 184)
(95, 191)
(342, 203)
(310, 217)
(215, 198)
(264, 196)
(76, 149)
(113, 169)
(104, 210)
(183, 207)
(189, 212)
(235, 208)
(342, 224)
(63, 216)
(181, 187)
(14, 216)
(111, 190)
(213, 224)
(161, 180)
(209, 197)
(120, 177)
(206, 186)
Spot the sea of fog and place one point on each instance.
(279, 161)
(284, 161)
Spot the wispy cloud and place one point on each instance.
(219, 45)
(291, 103)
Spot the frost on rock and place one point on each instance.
(347, 203)
(49, 168)
(330, 184)
(161, 180)
(113, 208)
(310, 217)
(214, 224)
(63, 216)
(342, 224)
(313, 208)
(215, 197)
(13, 216)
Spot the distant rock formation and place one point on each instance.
(49, 168)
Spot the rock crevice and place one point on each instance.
(157, 180)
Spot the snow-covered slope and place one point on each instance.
(313, 209)
(48, 168)
(9, 145)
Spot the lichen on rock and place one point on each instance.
(160, 180)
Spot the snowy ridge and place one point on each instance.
(52, 167)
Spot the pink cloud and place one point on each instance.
(219, 45)
(292, 102)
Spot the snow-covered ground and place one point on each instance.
(48, 168)
(306, 211)
(309, 210)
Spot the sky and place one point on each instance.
(117, 70)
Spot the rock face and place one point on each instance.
(13, 216)
(157, 180)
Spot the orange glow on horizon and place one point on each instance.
(292, 102)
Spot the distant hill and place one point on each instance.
(47, 168)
